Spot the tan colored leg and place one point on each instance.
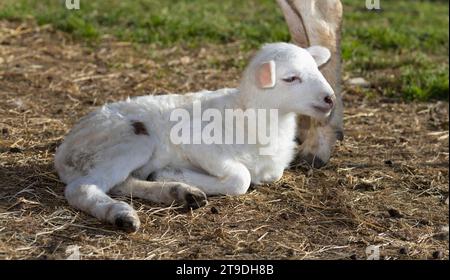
(318, 22)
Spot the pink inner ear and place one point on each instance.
(265, 76)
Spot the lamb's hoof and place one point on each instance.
(127, 223)
(195, 199)
(190, 197)
(314, 161)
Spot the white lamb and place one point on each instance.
(118, 147)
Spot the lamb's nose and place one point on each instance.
(329, 100)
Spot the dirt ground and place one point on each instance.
(386, 185)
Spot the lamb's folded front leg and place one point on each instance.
(231, 178)
(162, 192)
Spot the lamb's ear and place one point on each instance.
(265, 75)
(320, 54)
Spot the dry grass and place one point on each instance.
(386, 184)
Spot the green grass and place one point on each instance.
(402, 49)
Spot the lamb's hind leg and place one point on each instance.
(88, 195)
(162, 192)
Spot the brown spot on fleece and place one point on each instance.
(139, 128)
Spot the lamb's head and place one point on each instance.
(286, 77)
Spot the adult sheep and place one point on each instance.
(318, 22)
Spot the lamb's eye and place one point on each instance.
(292, 79)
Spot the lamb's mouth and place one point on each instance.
(322, 109)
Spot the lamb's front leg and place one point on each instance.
(233, 179)
(162, 192)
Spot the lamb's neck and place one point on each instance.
(241, 100)
(236, 99)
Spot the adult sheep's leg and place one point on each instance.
(318, 22)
